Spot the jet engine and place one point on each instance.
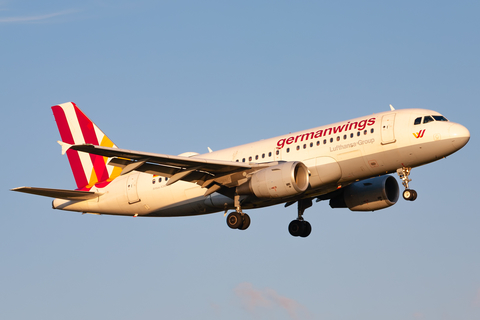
(368, 195)
(283, 180)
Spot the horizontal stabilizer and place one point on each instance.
(60, 193)
(65, 146)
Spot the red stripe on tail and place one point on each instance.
(90, 137)
(72, 155)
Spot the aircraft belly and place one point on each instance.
(178, 199)
(218, 201)
(190, 207)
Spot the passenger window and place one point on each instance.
(358, 134)
(243, 160)
(418, 121)
(304, 146)
(278, 152)
(288, 150)
(427, 119)
(153, 181)
(324, 141)
(318, 143)
(371, 130)
(311, 144)
(250, 158)
(351, 135)
(166, 179)
(298, 148)
(256, 157)
(263, 155)
(365, 132)
(159, 179)
(344, 137)
(236, 160)
(269, 154)
(338, 138)
(331, 140)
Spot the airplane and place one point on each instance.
(347, 163)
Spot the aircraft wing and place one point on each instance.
(205, 172)
(60, 193)
(211, 165)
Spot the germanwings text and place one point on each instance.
(361, 125)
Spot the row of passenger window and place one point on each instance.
(257, 157)
(318, 143)
(428, 119)
(159, 180)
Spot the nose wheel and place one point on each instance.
(408, 194)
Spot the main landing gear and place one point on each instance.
(408, 194)
(238, 219)
(297, 228)
(300, 227)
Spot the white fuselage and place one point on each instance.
(336, 155)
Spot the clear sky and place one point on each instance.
(177, 76)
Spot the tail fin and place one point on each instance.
(76, 128)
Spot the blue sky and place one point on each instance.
(171, 77)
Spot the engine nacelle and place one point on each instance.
(283, 180)
(368, 195)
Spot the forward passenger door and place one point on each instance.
(387, 131)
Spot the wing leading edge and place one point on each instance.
(205, 172)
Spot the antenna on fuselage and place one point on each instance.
(392, 108)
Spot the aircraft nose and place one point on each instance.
(459, 135)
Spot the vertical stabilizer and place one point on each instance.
(76, 128)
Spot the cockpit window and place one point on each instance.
(427, 119)
(440, 118)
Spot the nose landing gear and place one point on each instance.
(408, 194)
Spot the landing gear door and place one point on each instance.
(132, 193)
(388, 133)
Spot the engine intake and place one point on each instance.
(368, 195)
(283, 180)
